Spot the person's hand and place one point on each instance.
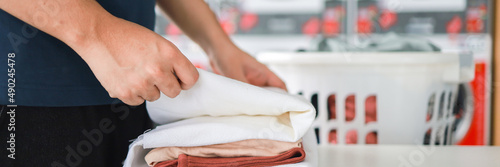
(199, 23)
(237, 64)
(134, 64)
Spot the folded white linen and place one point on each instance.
(221, 110)
(137, 152)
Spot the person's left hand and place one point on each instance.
(234, 63)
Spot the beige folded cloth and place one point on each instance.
(244, 148)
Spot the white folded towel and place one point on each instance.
(222, 110)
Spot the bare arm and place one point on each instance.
(197, 21)
(131, 62)
(72, 22)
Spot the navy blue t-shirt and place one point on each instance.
(47, 71)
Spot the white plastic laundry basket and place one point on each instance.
(414, 92)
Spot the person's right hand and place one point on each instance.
(134, 63)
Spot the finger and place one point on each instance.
(144, 88)
(214, 68)
(258, 77)
(274, 81)
(152, 93)
(130, 99)
(186, 73)
(133, 102)
(236, 73)
(168, 84)
(112, 95)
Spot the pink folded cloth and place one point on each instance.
(244, 148)
(294, 155)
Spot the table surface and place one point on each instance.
(408, 156)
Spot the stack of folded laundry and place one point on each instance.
(224, 122)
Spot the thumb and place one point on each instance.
(237, 73)
(275, 81)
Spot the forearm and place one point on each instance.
(71, 21)
(197, 21)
